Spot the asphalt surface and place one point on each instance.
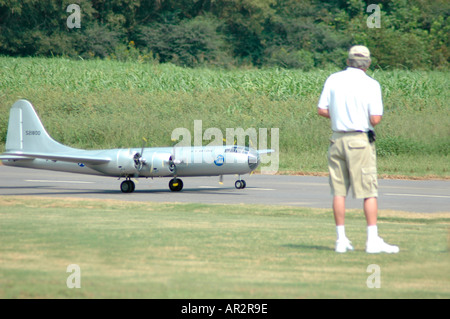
(424, 196)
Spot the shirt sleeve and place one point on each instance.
(376, 104)
(324, 100)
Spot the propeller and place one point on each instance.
(251, 146)
(172, 166)
(139, 160)
(172, 160)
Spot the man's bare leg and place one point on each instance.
(342, 243)
(374, 243)
(371, 210)
(339, 210)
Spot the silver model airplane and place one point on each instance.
(29, 145)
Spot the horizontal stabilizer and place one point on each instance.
(55, 157)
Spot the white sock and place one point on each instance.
(340, 230)
(372, 232)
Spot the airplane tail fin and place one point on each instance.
(26, 132)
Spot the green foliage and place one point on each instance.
(123, 52)
(291, 59)
(306, 44)
(413, 34)
(396, 145)
(189, 43)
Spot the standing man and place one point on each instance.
(352, 101)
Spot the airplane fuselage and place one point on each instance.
(189, 161)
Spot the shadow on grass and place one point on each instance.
(309, 247)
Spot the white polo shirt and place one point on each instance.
(351, 96)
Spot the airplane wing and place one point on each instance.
(14, 158)
(55, 157)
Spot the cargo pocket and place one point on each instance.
(369, 181)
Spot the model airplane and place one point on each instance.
(29, 145)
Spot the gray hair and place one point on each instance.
(359, 63)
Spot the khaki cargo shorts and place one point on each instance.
(352, 162)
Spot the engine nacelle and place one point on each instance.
(126, 163)
(161, 164)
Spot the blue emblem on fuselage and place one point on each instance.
(81, 165)
(219, 160)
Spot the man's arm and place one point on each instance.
(323, 112)
(375, 119)
(376, 106)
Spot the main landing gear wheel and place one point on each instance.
(127, 186)
(240, 184)
(176, 185)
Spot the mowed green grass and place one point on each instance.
(157, 250)
(109, 104)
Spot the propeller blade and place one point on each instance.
(138, 158)
(225, 141)
(144, 141)
(173, 161)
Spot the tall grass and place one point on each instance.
(105, 104)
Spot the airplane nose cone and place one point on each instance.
(253, 159)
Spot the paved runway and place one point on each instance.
(308, 191)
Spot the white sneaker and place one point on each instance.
(379, 246)
(343, 245)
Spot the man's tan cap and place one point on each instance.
(359, 52)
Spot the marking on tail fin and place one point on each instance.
(33, 133)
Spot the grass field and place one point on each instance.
(109, 104)
(152, 250)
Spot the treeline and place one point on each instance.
(303, 34)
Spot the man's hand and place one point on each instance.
(323, 112)
(375, 119)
